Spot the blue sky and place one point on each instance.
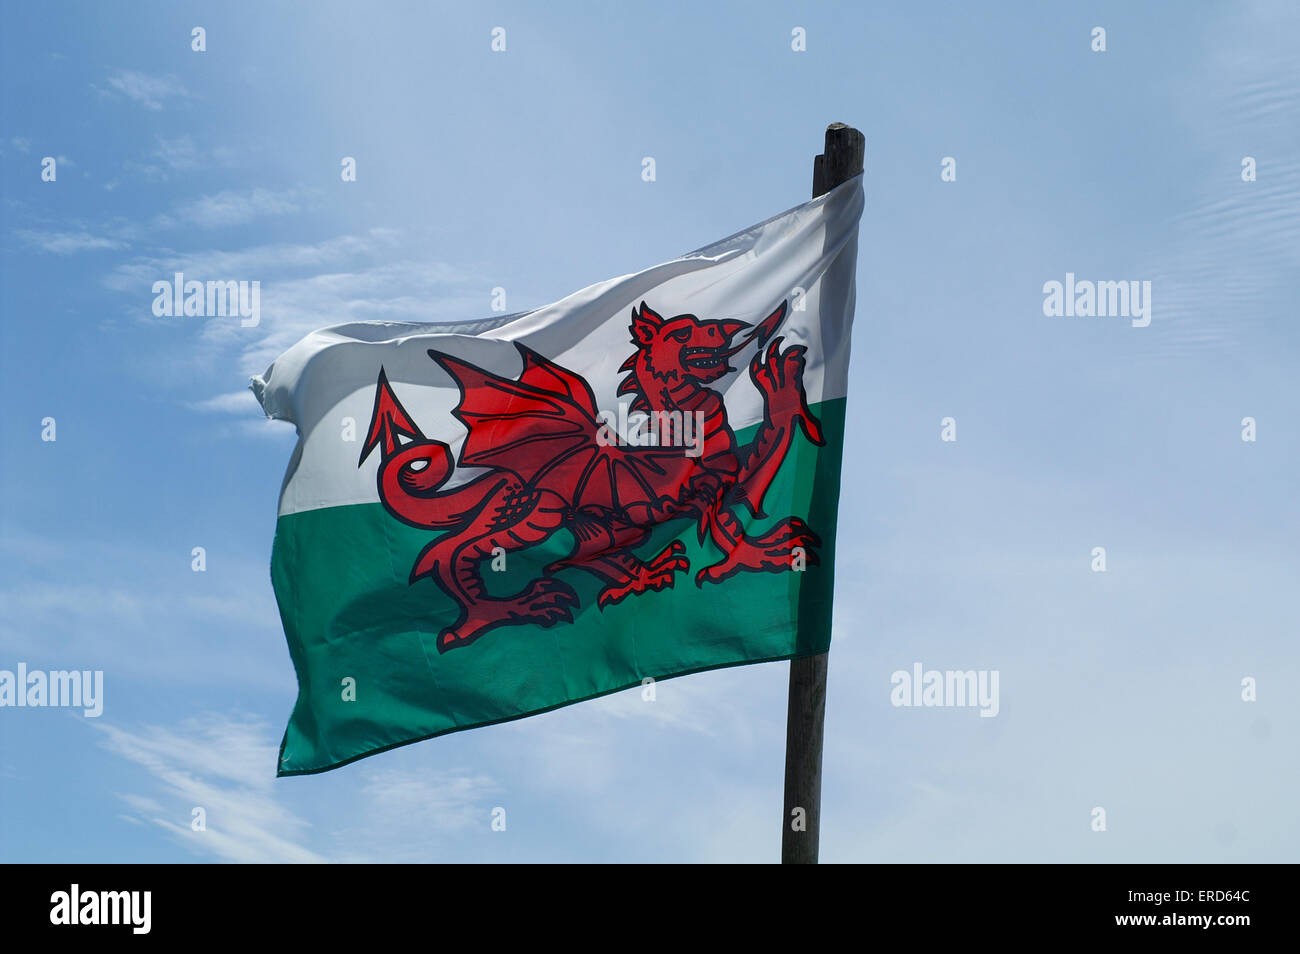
(522, 170)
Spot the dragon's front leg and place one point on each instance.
(779, 379)
(778, 376)
(630, 575)
(788, 545)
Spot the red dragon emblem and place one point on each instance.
(536, 439)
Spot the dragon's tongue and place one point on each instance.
(762, 331)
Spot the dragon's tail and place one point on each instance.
(413, 468)
(388, 423)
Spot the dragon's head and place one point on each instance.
(681, 348)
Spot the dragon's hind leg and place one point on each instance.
(630, 575)
(604, 548)
(512, 518)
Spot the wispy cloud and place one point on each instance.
(224, 764)
(234, 402)
(348, 278)
(149, 91)
(181, 155)
(232, 207)
(248, 419)
(410, 815)
(268, 260)
(67, 243)
(157, 620)
(262, 429)
(695, 705)
(221, 764)
(397, 291)
(178, 154)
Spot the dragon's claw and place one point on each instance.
(771, 552)
(655, 574)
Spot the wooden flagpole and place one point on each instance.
(806, 715)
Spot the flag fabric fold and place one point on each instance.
(487, 520)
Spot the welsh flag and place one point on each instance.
(486, 520)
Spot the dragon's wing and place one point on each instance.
(543, 427)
